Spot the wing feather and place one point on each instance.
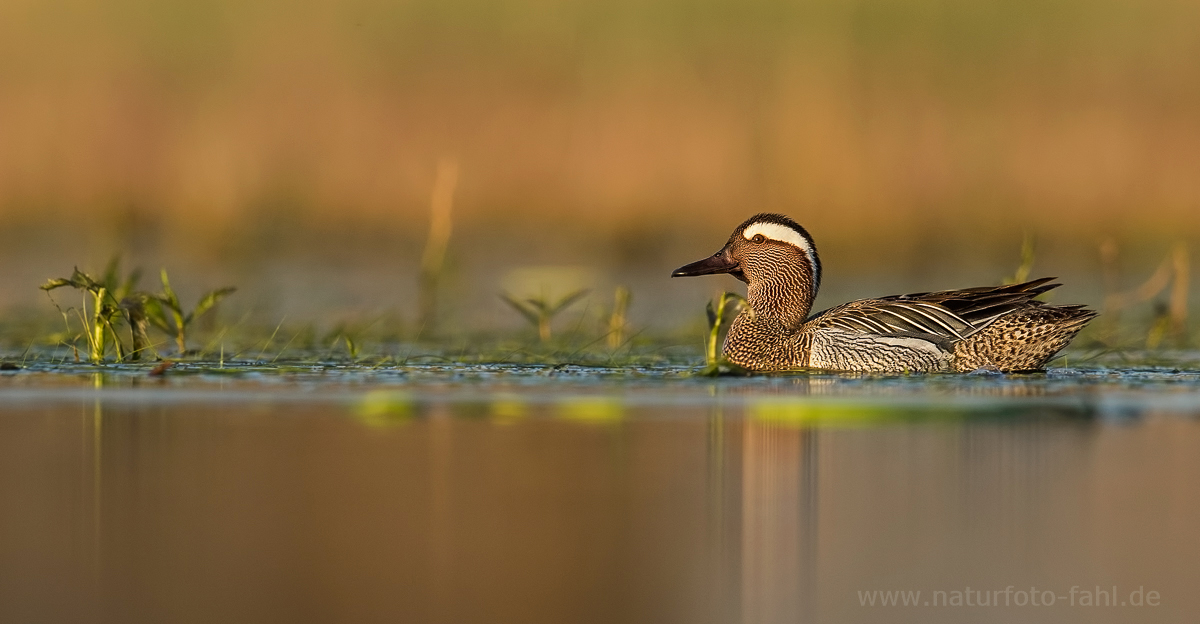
(950, 315)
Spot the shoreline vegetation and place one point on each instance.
(1145, 325)
(113, 321)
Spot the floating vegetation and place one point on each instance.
(116, 324)
(591, 409)
(106, 301)
(385, 408)
(353, 335)
(166, 313)
(727, 306)
(508, 408)
(110, 301)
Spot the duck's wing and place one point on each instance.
(894, 317)
(949, 315)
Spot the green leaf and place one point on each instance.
(538, 304)
(130, 283)
(733, 303)
(519, 306)
(168, 295)
(78, 279)
(156, 315)
(566, 301)
(209, 300)
(111, 279)
(83, 280)
(56, 283)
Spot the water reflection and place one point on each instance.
(394, 508)
(779, 529)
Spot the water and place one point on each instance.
(320, 493)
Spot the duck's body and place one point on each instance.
(1000, 328)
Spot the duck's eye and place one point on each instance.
(758, 238)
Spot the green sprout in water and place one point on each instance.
(1028, 256)
(110, 301)
(540, 311)
(617, 321)
(728, 305)
(167, 314)
(352, 335)
(1169, 318)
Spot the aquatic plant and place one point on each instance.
(110, 302)
(165, 311)
(540, 311)
(434, 256)
(728, 305)
(1177, 310)
(134, 309)
(721, 313)
(351, 334)
(616, 320)
(353, 344)
(1169, 317)
(1026, 267)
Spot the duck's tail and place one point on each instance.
(1022, 340)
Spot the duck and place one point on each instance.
(1001, 329)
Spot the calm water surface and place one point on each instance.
(577, 495)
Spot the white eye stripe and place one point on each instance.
(780, 233)
(777, 232)
(784, 234)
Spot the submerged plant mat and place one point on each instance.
(392, 393)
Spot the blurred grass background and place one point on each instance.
(290, 148)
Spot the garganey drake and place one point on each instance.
(992, 328)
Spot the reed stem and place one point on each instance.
(440, 226)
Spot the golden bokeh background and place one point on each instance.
(291, 147)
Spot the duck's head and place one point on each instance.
(766, 248)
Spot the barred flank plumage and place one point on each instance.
(1022, 340)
